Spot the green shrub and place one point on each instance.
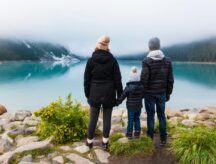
(64, 121)
(196, 146)
(142, 146)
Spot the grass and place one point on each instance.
(196, 146)
(38, 152)
(142, 146)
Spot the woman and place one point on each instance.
(102, 79)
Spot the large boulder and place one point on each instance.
(25, 140)
(6, 143)
(203, 116)
(82, 149)
(5, 158)
(102, 156)
(2, 109)
(30, 121)
(21, 115)
(188, 123)
(78, 159)
(58, 160)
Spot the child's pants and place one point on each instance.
(134, 120)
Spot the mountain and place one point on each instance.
(34, 51)
(198, 51)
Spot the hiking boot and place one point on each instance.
(129, 136)
(137, 134)
(105, 146)
(163, 142)
(90, 145)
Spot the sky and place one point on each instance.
(78, 24)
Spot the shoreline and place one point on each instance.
(18, 135)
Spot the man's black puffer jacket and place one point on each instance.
(134, 93)
(157, 75)
(102, 79)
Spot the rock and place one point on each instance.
(66, 148)
(27, 158)
(206, 111)
(116, 119)
(123, 140)
(30, 121)
(175, 120)
(171, 114)
(184, 110)
(208, 123)
(12, 125)
(33, 146)
(125, 114)
(189, 123)
(203, 116)
(78, 159)
(143, 116)
(20, 129)
(82, 149)
(53, 154)
(102, 156)
(76, 144)
(144, 124)
(117, 128)
(2, 109)
(21, 115)
(4, 159)
(58, 160)
(190, 115)
(6, 143)
(30, 130)
(26, 140)
(117, 112)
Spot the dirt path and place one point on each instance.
(160, 156)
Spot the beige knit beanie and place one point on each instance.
(103, 43)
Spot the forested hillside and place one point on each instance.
(199, 51)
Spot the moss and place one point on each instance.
(142, 146)
(2, 131)
(13, 127)
(13, 136)
(18, 156)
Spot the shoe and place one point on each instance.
(105, 146)
(90, 145)
(137, 134)
(163, 142)
(129, 136)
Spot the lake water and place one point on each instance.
(32, 85)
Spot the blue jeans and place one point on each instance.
(134, 120)
(158, 100)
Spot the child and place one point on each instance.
(134, 93)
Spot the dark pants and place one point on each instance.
(133, 120)
(158, 100)
(94, 114)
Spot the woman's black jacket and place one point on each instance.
(102, 79)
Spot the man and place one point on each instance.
(157, 78)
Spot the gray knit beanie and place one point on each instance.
(154, 44)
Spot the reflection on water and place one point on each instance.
(31, 85)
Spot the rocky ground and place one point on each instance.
(18, 139)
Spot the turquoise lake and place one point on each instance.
(32, 85)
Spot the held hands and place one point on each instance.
(117, 103)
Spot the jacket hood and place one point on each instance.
(156, 55)
(134, 84)
(102, 56)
